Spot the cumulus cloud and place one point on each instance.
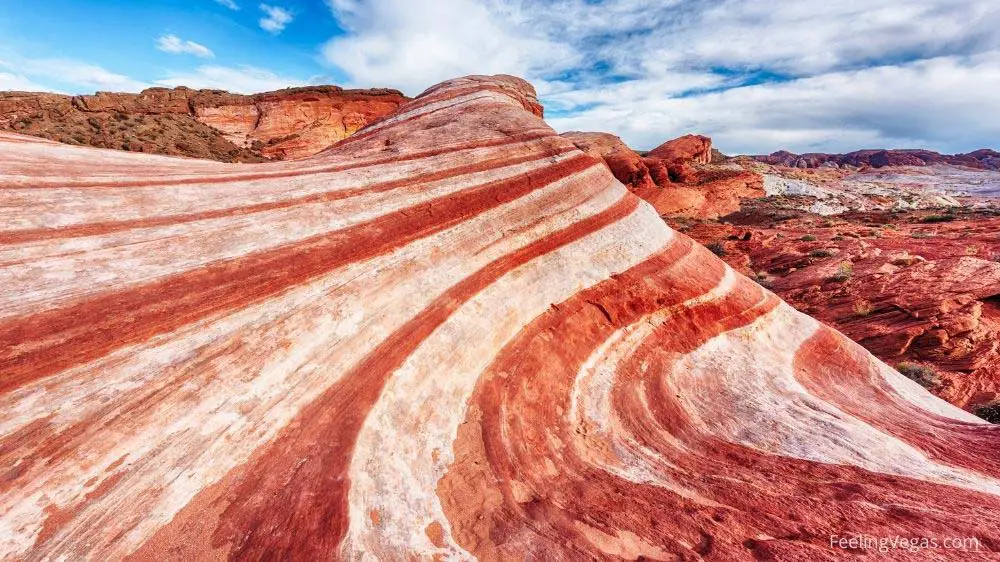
(82, 76)
(19, 83)
(411, 45)
(275, 20)
(243, 79)
(798, 74)
(231, 4)
(938, 103)
(176, 45)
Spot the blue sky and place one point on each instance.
(804, 75)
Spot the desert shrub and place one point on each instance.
(863, 308)
(763, 279)
(844, 272)
(990, 412)
(971, 250)
(923, 375)
(822, 253)
(937, 218)
(717, 248)
(79, 138)
(837, 238)
(905, 259)
(808, 238)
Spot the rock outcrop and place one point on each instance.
(452, 335)
(982, 159)
(213, 124)
(689, 148)
(678, 177)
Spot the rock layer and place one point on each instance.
(453, 335)
(676, 177)
(285, 124)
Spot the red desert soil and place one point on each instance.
(915, 288)
(211, 124)
(452, 335)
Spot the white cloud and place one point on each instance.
(176, 45)
(939, 103)
(411, 45)
(649, 71)
(243, 79)
(276, 20)
(83, 76)
(231, 4)
(19, 83)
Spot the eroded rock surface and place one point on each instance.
(912, 287)
(213, 124)
(453, 335)
(678, 177)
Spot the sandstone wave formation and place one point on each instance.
(213, 124)
(454, 335)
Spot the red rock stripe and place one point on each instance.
(518, 491)
(290, 501)
(41, 344)
(286, 173)
(834, 364)
(90, 229)
(377, 127)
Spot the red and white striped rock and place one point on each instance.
(452, 335)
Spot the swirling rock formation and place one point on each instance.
(453, 335)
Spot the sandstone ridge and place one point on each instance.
(453, 335)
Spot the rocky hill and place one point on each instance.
(982, 159)
(211, 124)
(681, 177)
(454, 335)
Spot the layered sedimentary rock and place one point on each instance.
(689, 148)
(453, 335)
(676, 177)
(285, 124)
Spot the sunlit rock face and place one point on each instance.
(452, 335)
(212, 124)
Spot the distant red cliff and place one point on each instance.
(214, 124)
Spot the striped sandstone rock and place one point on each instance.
(453, 335)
